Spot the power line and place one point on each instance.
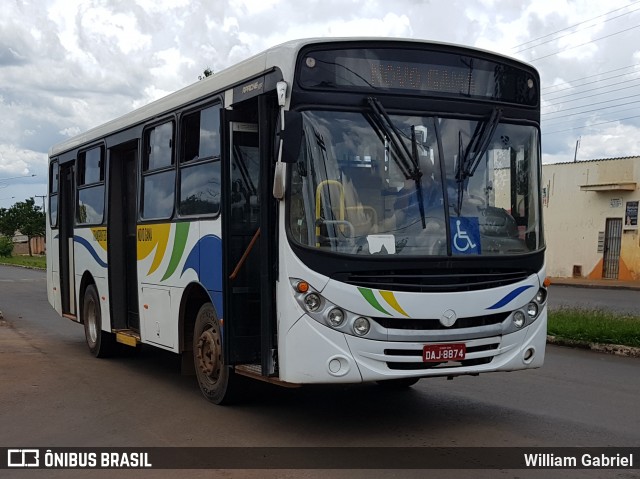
(575, 25)
(590, 76)
(589, 126)
(581, 119)
(598, 88)
(583, 44)
(594, 110)
(590, 104)
(591, 82)
(576, 31)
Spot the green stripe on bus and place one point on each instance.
(179, 243)
(371, 299)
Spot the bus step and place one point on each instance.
(128, 337)
(255, 371)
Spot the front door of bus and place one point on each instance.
(66, 208)
(123, 282)
(247, 239)
(241, 239)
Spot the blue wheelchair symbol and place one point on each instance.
(465, 234)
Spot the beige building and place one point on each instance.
(590, 211)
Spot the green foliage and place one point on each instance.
(8, 223)
(6, 246)
(24, 216)
(595, 326)
(36, 262)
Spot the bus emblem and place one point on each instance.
(448, 318)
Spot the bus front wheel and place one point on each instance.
(101, 343)
(214, 377)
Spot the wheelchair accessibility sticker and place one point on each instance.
(465, 235)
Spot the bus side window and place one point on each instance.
(90, 208)
(200, 163)
(158, 173)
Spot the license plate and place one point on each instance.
(439, 353)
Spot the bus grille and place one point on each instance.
(431, 281)
(434, 324)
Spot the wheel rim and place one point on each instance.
(91, 321)
(209, 354)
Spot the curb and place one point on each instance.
(596, 285)
(616, 349)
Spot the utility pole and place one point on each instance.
(43, 203)
(575, 155)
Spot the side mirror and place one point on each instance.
(291, 136)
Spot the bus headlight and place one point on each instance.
(532, 310)
(361, 326)
(312, 302)
(519, 319)
(541, 296)
(336, 317)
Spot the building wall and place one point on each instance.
(577, 200)
(38, 246)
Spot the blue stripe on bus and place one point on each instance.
(510, 297)
(91, 250)
(205, 259)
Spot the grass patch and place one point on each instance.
(36, 261)
(595, 326)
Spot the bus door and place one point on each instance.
(66, 208)
(247, 238)
(121, 234)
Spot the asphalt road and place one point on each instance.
(623, 301)
(54, 394)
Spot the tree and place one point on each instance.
(8, 224)
(24, 216)
(206, 73)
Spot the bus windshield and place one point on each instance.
(376, 183)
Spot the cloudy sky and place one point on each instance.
(69, 65)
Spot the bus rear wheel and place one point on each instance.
(214, 377)
(101, 343)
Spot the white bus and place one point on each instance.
(328, 211)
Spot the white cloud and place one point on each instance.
(68, 65)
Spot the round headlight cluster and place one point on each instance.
(336, 317)
(361, 326)
(312, 302)
(531, 311)
(326, 312)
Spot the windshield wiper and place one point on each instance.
(469, 160)
(407, 161)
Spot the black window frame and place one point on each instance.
(184, 164)
(82, 186)
(54, 188)
(147, 172)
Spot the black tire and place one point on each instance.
(101, 343)
(398, 384)
(214, 377)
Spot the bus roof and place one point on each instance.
(282, 56)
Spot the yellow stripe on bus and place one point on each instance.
(391, 300)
